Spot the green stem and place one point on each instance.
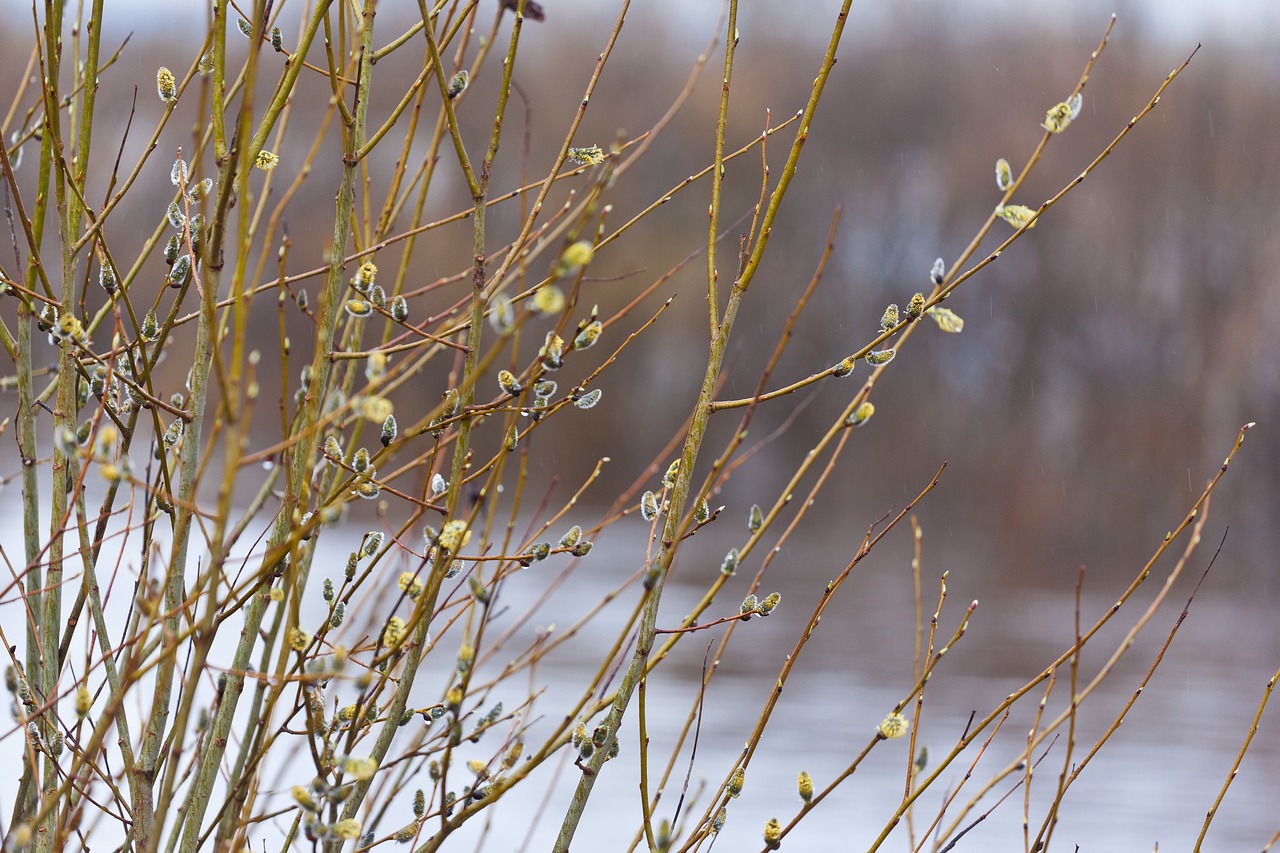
(717, 170)
(466, 395)
(64, 413)
(184, 501)
(25, 803)
(300, 459)
(675, 521)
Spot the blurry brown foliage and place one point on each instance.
(1106, 358)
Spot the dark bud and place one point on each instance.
(533, 11)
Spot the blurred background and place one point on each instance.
(1107, 363)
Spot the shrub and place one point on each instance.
(209, 660)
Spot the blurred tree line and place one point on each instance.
(1107, 361)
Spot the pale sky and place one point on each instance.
(1173, 20)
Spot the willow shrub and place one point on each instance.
(190, 667)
